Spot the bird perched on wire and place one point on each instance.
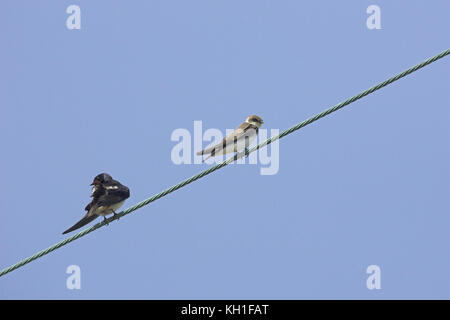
(108, 195)
(238, 140)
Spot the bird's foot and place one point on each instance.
(116, 215)
(105, 220)
(246, 152)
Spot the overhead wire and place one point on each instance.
(224, 163)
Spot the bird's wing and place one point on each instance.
(114, 193)
(232, 138)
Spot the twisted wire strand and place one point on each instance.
(226, 162)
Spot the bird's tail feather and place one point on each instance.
(203, 160)
(84, 221)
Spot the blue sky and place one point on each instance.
(368, 185)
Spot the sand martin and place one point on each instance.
(108, 195)
(238, 140)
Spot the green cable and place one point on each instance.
(223, 164)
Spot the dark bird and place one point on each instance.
(108, 195)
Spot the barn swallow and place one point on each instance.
(236, 141)
(108, 195)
